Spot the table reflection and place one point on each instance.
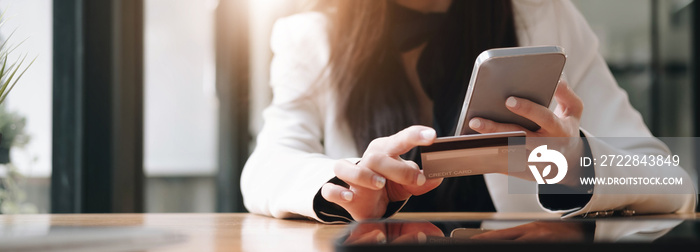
(549, 231)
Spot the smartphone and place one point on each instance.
(526, 72)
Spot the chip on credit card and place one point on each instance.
(471, 154)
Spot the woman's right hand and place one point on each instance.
(382, 176)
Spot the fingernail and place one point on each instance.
(511, 102)
(421, 179)
(421, 237)
(428, 134)
(381, 238)
(347, 195)
(379, 181)
(475, 123)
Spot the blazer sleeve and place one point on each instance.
(288, 167)
(608, 113)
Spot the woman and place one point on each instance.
(350, 79)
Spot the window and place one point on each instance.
(647, 45)
(180, 105)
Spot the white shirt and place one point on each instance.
(301, 137)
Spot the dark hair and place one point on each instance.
(366, 69)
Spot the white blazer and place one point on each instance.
(301, 138)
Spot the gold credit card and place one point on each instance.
(471, 154)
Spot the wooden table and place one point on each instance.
(243, 232)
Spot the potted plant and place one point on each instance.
(12, 71)
(12, 197)
(12, 128)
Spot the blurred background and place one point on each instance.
(153, 105)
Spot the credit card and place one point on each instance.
(472, 154)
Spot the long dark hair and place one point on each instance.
(373, 92)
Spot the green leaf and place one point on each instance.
(16, 69)
(4, 63)
(9, 79)
(7, 39)
(4, 95)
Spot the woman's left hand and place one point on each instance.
(562, 123)
(540, 231)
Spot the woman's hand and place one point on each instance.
(538, 232)
(382, 176)
(562, 123)
(370, 233)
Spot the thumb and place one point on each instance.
(569, 103)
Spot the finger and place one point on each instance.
(567, 98)
(372, 237)
(411, 238)
(393, 169)
(482, 125)
(502, 234)
(426, 227)
(537, 113)
(367, 227)
(337, 194)
(429, 185)
(356, 175)
(403, 141)
(535, 237)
